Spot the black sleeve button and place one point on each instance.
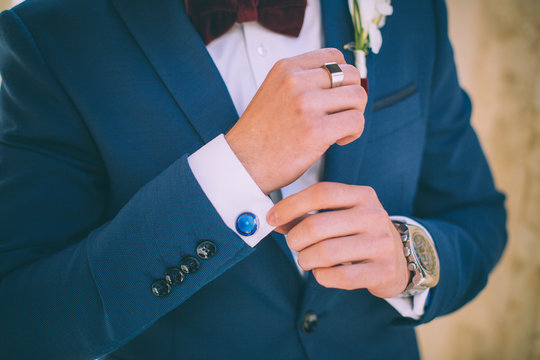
(189, 265)
(309, 323)
(206, 249)
(161, 287)
(174, 276)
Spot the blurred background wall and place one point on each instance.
(497, 48)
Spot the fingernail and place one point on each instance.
(271, 217)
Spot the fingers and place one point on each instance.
(351, 97)
(342, 109)
(342, 250)
(300, 77)
(350, 277)
(314, 59)
(338, 113)
(381, 279)
(284, 229)
(344, 127)
(307, 69)
(320, 226)
(351, 76)
(319, 78)
(323, 195)
(334, 224)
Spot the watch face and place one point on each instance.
(425, 253)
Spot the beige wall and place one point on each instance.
(497, 45)
(4, 4)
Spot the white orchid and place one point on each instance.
(368, 17)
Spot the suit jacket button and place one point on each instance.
(189, 265)
(174, 276)
(206, 249)
(309, 323)
(161, 288)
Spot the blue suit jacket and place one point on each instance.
(102, 101)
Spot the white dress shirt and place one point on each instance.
(244, 56)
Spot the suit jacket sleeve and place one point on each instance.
(73, 279)
(456, 200)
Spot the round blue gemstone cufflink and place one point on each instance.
(247, 224)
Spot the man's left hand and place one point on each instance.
(354, 246)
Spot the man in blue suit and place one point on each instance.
(134, 221)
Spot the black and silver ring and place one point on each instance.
(336, 74)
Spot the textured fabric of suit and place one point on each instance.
(100, 105)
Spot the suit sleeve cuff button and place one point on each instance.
(161, 288)
(174, 276)
(189, 265)
(206, 249)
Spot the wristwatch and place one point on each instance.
(422, 258)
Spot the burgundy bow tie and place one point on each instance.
(213, 18)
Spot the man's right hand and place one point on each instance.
(295, 117)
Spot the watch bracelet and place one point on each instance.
(411, 289)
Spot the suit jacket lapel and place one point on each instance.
(337, 26)
(179, 57)
(342, 163)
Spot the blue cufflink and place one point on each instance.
(247, 224)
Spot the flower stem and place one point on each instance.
(360, 36)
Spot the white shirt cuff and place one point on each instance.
(410, 306)
(229, 187)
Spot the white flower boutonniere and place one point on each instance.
(368, 17)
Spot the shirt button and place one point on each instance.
(261, 50)
(174, 276)
(161, 288)
(247, 224)
(309, 323)
(189, 265)
(206, 249)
